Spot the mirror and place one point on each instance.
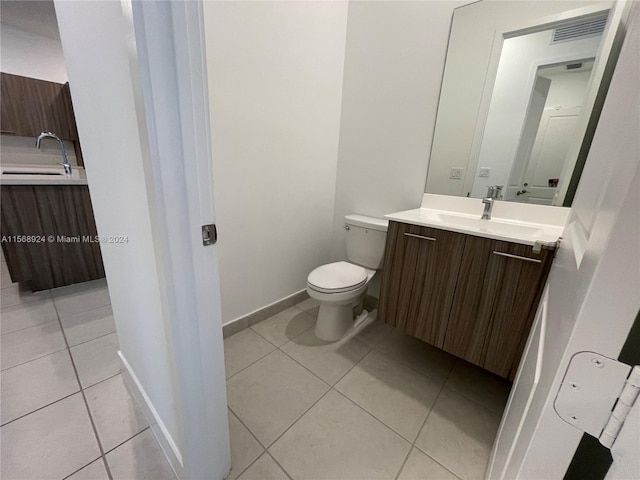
(520, 94)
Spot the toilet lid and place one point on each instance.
(337, 277)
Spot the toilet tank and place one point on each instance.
(366, 237)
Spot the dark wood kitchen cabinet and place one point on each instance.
(471, 296)
(63, 247)
(30, 106)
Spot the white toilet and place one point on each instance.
(340, 286)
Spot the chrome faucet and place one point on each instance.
(493, 193)
(65, 159)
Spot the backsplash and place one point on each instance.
(22, 151)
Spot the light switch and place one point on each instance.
(484, 172)
(456, 173)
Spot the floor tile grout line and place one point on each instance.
(245, 426)
(40, 408)
(413, 445)
(298, 419)
(30, 326)
(84, 466)
(290, 477)
(252, 363)
(84, 397)
(315, 403)
(110, 377)
(91, 340)
(34, 358)
(107, 452)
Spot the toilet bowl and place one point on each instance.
(340, 286)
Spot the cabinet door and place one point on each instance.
(419, 279)
(499, 287)
(31, 106)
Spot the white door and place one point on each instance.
(593, 291)
(553, 141)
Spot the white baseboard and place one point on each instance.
(159, 429)
(239, 324)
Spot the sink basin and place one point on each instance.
(9, 172)
(485, 226)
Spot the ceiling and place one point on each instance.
(34, 16)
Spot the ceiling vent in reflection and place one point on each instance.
(576, 31)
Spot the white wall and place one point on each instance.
(31, 55)
(275, 85)
(394, 61)
(519, 59)
(104, 97)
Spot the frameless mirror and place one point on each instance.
(520, 97)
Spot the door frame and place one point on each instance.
(170, 45)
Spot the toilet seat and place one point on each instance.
(337, 277)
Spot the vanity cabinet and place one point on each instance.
(471, 296)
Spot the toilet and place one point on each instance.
(340, 287)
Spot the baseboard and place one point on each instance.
(239, 324)
(168, 445)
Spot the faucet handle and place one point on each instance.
(494, 191)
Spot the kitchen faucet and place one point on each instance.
(65, 159)
(493, 193)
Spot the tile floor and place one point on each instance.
(65, 411)
(382, 405)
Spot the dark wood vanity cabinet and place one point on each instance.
(471, 296)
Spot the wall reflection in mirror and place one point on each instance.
(519, 94)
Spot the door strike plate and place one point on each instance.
(209, 234)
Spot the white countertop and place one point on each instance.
(510, 222)
(40, 175)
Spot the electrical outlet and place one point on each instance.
(456, 174)
(484, 172)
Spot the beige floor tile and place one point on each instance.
(478, 385)
(116, 414)
(27, 315)
(425, 358)
(93, 471)
(139, 459)
(5, 280)
(310, 305)
(30, 343)
(81, 297)
(35, 384)
(244, 447)
(374, 333)
(329, 360)
(16, 295)
(422, 467)
(86, 326)
(265, 468)
(271, 394)
(96, 359)
(459, 434)
(284, 326)
(242, 349)
(51, 443)
(336, 439)
(395, 394)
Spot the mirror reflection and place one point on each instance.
(516, 100)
